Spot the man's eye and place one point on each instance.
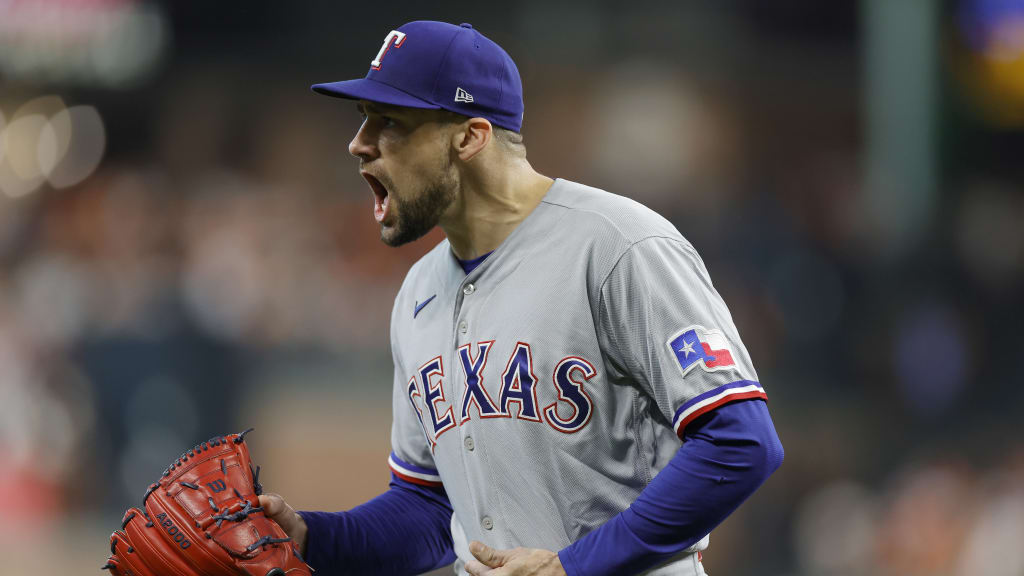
(388, 121)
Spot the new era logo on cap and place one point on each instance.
(434, 65)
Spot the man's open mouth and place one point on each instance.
(380, 196)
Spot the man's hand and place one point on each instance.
(515, 562)
(279, 511)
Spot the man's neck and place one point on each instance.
(489, 209)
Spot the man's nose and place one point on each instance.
(363, 145)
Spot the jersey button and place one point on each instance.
(469, 289)
(487, 523)
(470, 445)
(463, 327)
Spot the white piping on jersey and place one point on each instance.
(707, 401)
(406, 472)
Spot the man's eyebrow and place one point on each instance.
(378, 108)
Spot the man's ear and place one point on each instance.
(472, 136)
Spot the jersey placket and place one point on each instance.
(463, 331)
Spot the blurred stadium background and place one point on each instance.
(186, 249)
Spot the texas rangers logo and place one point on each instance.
(394, 39)
(698, 345)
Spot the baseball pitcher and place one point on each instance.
(571, 395)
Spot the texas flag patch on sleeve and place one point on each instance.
(710, 350)
(700, 346)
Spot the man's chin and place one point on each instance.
(392, 240)
(395, 236)
(390, 235)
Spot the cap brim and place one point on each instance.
(366, 89)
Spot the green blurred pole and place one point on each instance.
(900, 100)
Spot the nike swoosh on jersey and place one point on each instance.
(420, 305)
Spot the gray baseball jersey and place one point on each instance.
(547, 387)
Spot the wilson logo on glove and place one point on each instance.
(210, 522)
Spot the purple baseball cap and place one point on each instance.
(436, 65)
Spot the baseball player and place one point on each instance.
(571, 395)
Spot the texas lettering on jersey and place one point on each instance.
(512, 395)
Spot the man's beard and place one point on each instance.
(420, 212)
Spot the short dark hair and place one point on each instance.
(512, 141)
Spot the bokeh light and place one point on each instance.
(20, 173)
(993, 72)
(46, 141)
(83, 130)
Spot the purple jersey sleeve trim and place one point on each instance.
(726, 456)
(712, 399)
(406, 530)
(413, 473)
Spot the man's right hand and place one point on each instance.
(279, 511)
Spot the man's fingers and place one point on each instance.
(476, 569)
(279, 511)
(487, 555)
(273, 504)
(275, 507)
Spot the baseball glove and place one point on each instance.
(203, 518)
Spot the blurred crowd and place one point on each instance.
(937, 519)
(221, 269)
(132, 303)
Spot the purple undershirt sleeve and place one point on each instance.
(404, 531)
(726, 455)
